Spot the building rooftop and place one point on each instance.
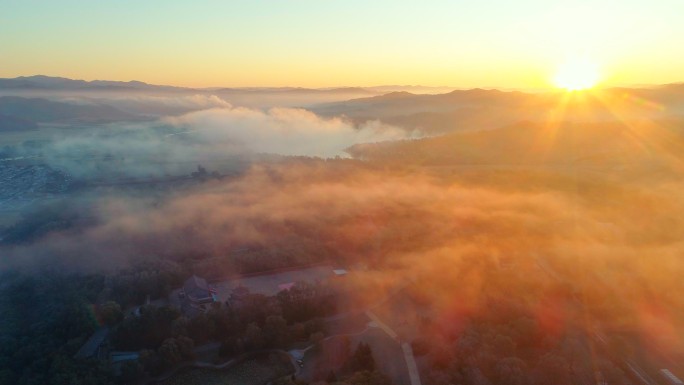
(197, 289)
(286, 286)
(123, 356)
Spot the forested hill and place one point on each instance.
(586, 144)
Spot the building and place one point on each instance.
(197, 291)
(118, 359)
(195, 295)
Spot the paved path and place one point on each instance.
(414, 375)
(382, 325)
(598, 336)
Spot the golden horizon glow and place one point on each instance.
(576, 74)
(312, 44)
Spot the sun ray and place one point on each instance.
(642, 132)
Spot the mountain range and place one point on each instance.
(42, 99)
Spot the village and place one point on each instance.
(21, 185)
(338, 326)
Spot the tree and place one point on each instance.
(131, 371)
(367, 377)
(420, 346)
(439, 377)
(148, 331)
(362, 359)
(314, 325)
(511, 371)
(179, 326)
(503, 345)
(552, 369)
(186, 346)
(276, 330)
(110, 313)
(7, 376)
(613, 374)
(525, 331)
(441, 356)
(201, 328)
(316, 338)
(151, 362)
(169, 352)
(575, 352)
(297, 331)
(230, 346)
(254, 337)
(305, 301)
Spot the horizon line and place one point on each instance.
(550, 88)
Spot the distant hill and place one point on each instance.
(604, 144)
(13, 123)
(259, 97)
(48, 111)
(410, 107)
(49, 83)
(433, 114)
(477, 109)
(414, 89)
(294, 90)
(41, 82)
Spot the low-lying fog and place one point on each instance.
(597, 201)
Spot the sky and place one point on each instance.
(329, 43)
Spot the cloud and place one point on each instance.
(309, 210)
(151, 105)
(218, 138)
(451, 229)
(283, 131)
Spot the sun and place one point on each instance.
(576, 74)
